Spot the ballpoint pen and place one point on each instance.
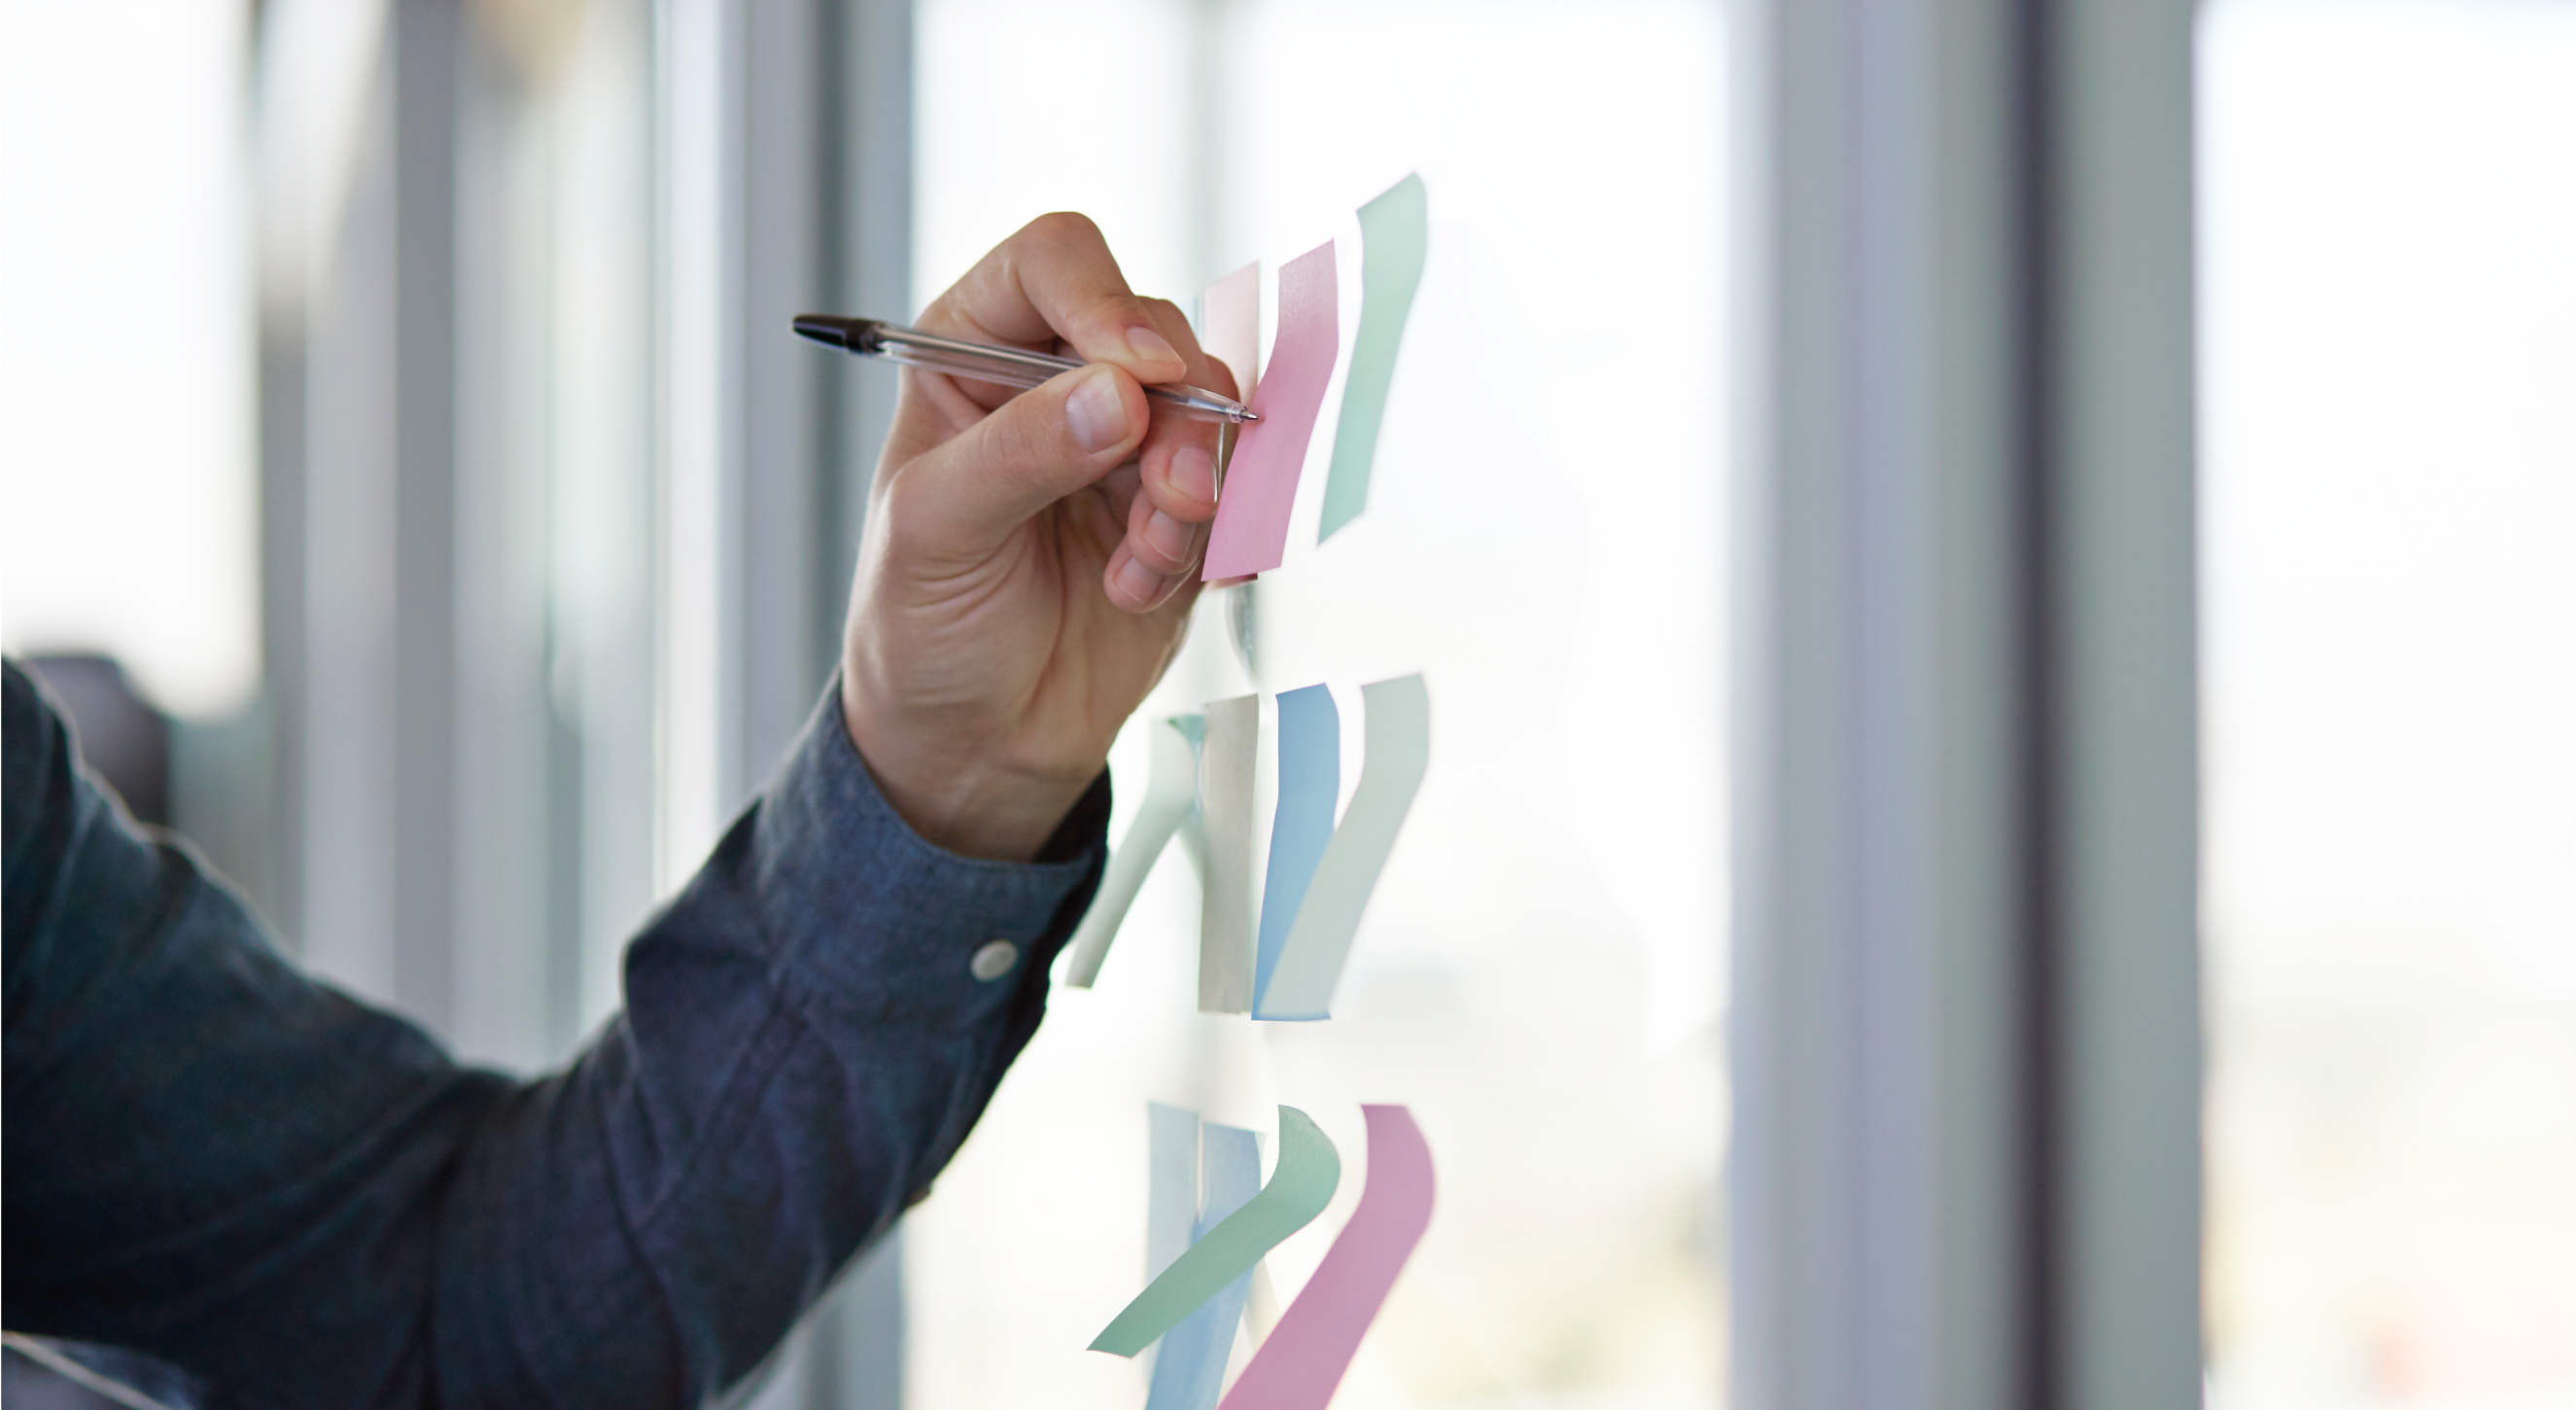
(992, 362)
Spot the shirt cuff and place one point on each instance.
(880, 921)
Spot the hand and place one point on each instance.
(1030, 557)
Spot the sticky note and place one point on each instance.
(1225, 812)
(1194, 827)
(1194, 842)
(1170, 793)
(1302, 1362)
(1398, 739)
(1251, 531)
(1230, 326)
(1189, 1368)
(1261, 1313)
(1172, 1184)
(1309, 1171)
(1394, 237)
(1310, 782)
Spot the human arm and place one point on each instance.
(302, 1201)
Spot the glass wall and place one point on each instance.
(444, 313)
(2389, 348)
(1539, 976)
(459, 470)
(130, 523)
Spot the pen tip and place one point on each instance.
(853, 334)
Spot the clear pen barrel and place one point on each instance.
(1017, 367)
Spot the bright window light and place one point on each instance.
(2389, 433)
(127, 501)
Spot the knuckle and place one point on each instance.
(1064, 228)
(899, 508)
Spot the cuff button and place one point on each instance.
(994, 960)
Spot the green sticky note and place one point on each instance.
(1309, 1171)
(1394, 234)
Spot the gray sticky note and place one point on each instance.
(1225, 811)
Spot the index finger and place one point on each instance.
(1055, 281)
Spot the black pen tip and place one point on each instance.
(836, 332)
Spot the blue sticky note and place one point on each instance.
(1319, 938)
(1189, 1369)
(1310, 780)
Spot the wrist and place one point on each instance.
(961, 799)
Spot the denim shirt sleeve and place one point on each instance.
(301, 1200)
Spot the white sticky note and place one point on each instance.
(1194, 842)
(1261, 1313)
(1225, 811)
(1172, 1202)
(1170, 793)
(1398, 736)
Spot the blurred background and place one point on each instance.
(407, 479)
(2388, 479)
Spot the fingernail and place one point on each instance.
(1169, 535)
(1194, 474)
(1141, 583)
(1095, 412)
(1150, 346)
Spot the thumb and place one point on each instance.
(967, 494)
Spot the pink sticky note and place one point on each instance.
(1251, 533)
(1302, 1363)
(1230, 319)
